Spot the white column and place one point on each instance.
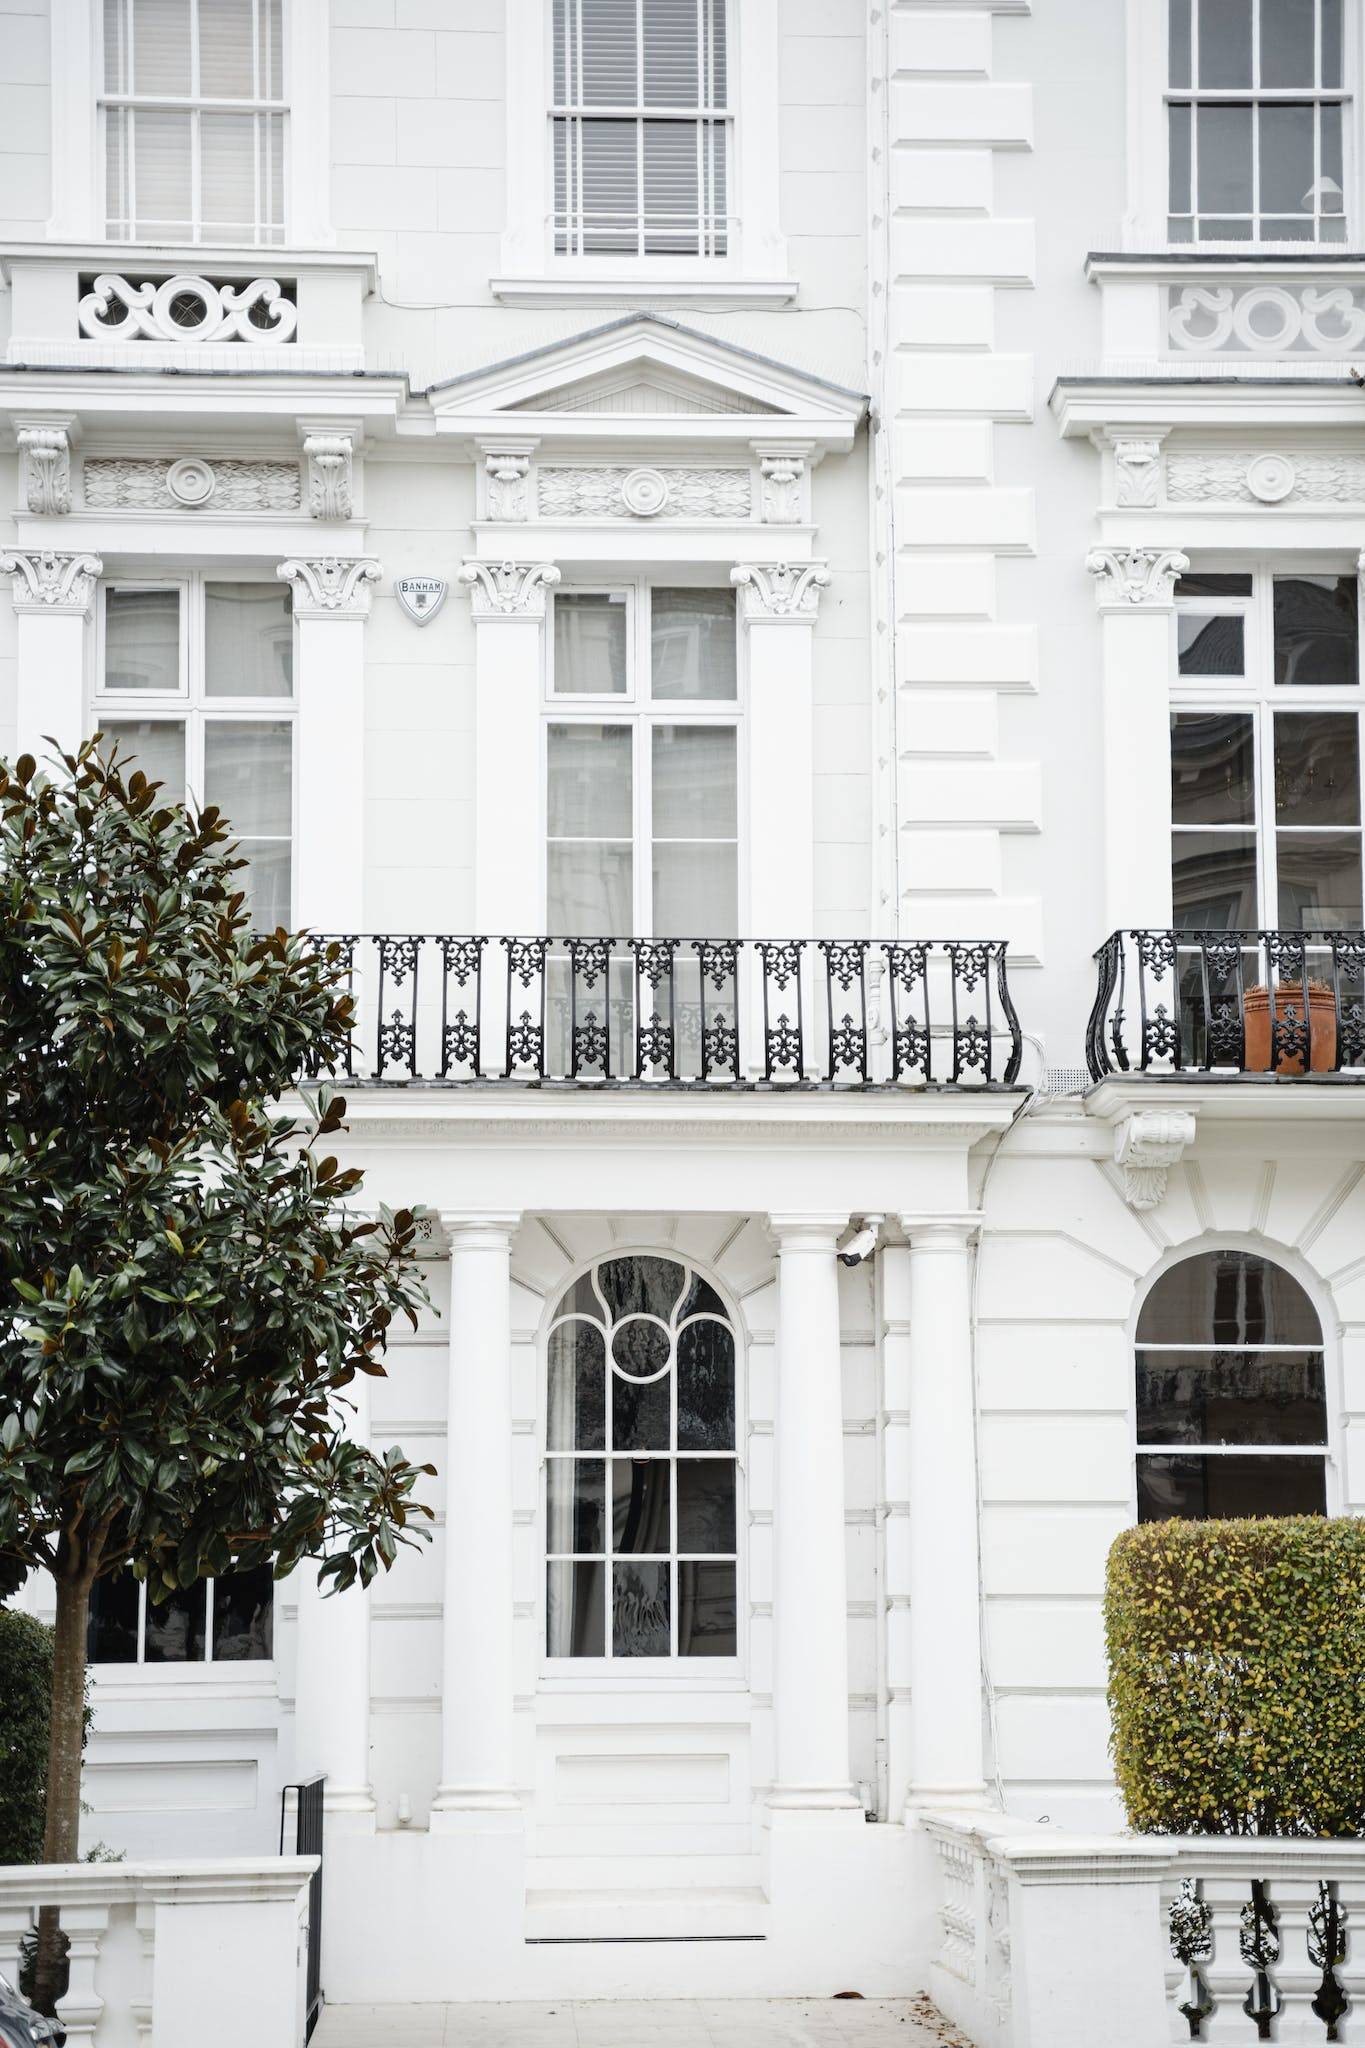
(507, 600)
(331, 605)
(946, 1745)
(778, 605)
(332, 1678)
(1134, 588)
(54, 596)
(478, 1765)
(810, 1618)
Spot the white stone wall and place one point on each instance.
(25, 118)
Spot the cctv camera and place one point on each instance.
(859, 1247)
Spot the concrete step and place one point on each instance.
(642, 1871)
(648, 1913)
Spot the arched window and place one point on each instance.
(640, 1465)
(1231, 1403)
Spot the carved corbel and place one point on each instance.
(329, 475)
(507, 473)
(44, 465)
(782, 472)
(1137, 466)
(1147, 1144)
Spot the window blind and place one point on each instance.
(640, 128)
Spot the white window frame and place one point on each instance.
(119, 1667)
(1258, 695)
(1328, 1322)
(754, 269)
(701, 1673)
(189, 704)
(1145, 223)
(639, 708)
(77, 72)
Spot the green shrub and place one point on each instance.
(1237, 1676)
(25, 1693)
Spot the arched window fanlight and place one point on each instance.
(1231, 1400)
(641, 1514)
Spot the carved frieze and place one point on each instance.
(187, 308)
(162, 483)
(45, 469)
(1250, 476)
(45, 581)
(329, 475)
(617, 491)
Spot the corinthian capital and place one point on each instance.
(45, 581)
(1136, 576)
(330, 587)
(780, 590)
(508, 590)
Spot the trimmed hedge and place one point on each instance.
(25, 1699)
(1237, 1676)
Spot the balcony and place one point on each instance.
(678, 1014)
(1268, 1005)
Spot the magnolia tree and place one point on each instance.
(185, 1290)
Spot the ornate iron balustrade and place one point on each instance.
(1274, 1003)
(700, 1013)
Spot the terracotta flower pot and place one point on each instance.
(1322, 1027)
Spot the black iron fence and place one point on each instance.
(1275, 1003)
(308, 1835)
(679, 1012)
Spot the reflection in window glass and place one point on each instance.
(176, 1626)
(228, 1620)
(1316, 630)
(641, 1545)
(1229, 1365)
(142, 640)
(590, 643)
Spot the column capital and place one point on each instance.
(45, 581)
(1142, 577)
(330, 586)
(808, 1233)
(480, 1230)
(942, 1233)
(786, 591)
(508, 590)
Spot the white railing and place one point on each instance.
(174, 1955)
(1050, 1940)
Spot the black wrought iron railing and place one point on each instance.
(1278, 1003)
(307, 1816)
(702, 1013)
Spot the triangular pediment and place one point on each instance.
(646, 366)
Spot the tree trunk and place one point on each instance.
(66, 1740)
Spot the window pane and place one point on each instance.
(590, 644)
(1316, 630)
(227, 177)
(640, 1506)
(1224, 42)
(1178, 72)
(244, 1616)
(671, 172)
(671, 55)
(161, 172)
(707, 1611)
(248, 773)
(575, 1610)
(692, 644)
(1224, 159)
(1213, 583)
(1228, 1297)
(576, 1504)
(591, 890)
(1317, 768)
(1230, 1397)
(1213, 768)
(268, 883)
(115, 47)
(248, 640)
(141, 639)
(1179, 154)
(607, 182)
(1287, 43)
(1331, 198)
(706, 1505)
(175, 1626)
(226, 68)
(1319, 880)
(1210, 644)
(161, 47)
(590, 782)
(706, 1388)
(111, 1632)
(577, 1368)
(1200, 1489)
(1331, 43)
(641, 1286)
(641, 1413)
(155, 745)
(1286, 159)
(639, 1621)
(696, 891)
(695, 789)
(1213, 877)
(609, 59)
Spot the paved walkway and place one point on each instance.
(683, 2023)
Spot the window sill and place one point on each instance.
(629, 285)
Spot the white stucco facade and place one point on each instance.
(943, 419)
